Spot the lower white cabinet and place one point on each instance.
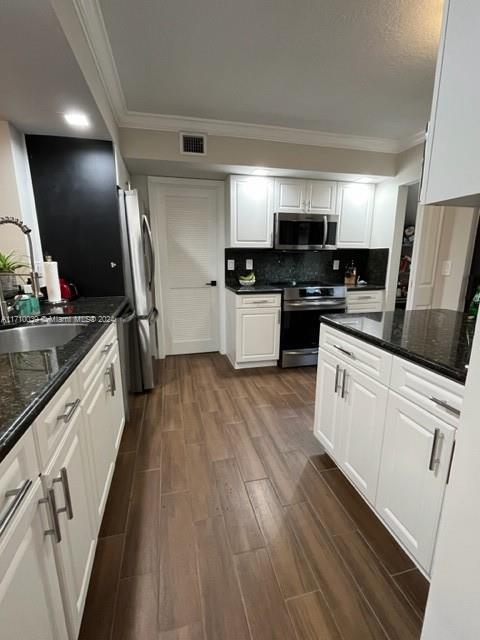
(413, 474)
(328, 403)
(30, 599)
(253, 329)
(365, 403)
(68, 481)
(349, 420)
(53, 489)
(258, 334)
(365, 301)
(395, 452)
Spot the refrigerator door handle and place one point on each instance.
(128, 318)
(148, 242)
(152, 313)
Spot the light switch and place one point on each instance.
(249, 264)
(446, 267)
(336, 265)
(230, 265)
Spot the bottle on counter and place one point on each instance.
(351, 274)
(473, 308)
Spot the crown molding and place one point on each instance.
(93, 25)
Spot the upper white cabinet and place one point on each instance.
(250, 211)
(305, 196)
(451, 159)
(354, 208)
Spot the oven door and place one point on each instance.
(300, 332)
(304, 231)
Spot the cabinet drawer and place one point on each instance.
(18, 472)
(374, 307)
(258, 300)
(439, 395)
(373, 361)
(52, 424)
(364, 297)
(96, 358)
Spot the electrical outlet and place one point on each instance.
(230, 265)
(249, 264)
(336, 265)
(446, 267)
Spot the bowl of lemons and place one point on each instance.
(247, 281)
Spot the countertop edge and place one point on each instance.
(447, 372)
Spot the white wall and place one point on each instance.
(456, 246)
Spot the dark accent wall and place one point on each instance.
(270, 265)
(74, 184)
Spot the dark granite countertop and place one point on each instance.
(29, 379)
(437, 339)
(256, 288)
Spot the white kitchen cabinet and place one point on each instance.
(321, 197)
(30, 600)
(68, 478)
(290, 195)
(100, 436)
(250, 211)
(355, 209)
(414, 469)
(305, 196)
(362, 428)
(365, 301)
(258, 334)
(253, 329)
(450, 173)
(328, 403)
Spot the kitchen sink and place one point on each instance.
(38, 337)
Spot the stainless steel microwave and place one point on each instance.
(305, 231)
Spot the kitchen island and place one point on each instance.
(388, 400)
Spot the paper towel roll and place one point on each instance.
(50, 275)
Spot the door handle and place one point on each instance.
(445, 405)
(434, 459)
(337, 375)
(347, 353)
(63, 480)
(212, 283)
(71, 408)
(344, 381)
(18, 495)
(52, 508)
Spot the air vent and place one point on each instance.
(193, 144)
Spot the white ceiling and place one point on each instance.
(356, 67)
(40, 77)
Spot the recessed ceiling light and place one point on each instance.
(260, 172)
(77, 119)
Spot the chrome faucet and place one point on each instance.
(33, 274)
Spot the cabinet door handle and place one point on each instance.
(347, 353)
(112, 387)
(434, 459)
(445, 405)
(344, 380)
(451, 461)
(63, 480)
(279, 314)
(52, 509)
(18, 495)
(337, 373)
(106, 348)
(260, 302)
(71, 408)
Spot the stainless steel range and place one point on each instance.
(303, 304)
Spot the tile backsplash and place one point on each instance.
(271, 265)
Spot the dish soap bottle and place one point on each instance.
(351, 274)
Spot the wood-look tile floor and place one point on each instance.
(227, 521)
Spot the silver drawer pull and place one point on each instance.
(259, 302)
(337, 374)
(18, 495)
(434, 458)
(445, 405)
(106, 348)
(347, 353)
(63, 480)
(70, 407)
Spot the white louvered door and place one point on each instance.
(187, 225)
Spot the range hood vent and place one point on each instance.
(193, 144)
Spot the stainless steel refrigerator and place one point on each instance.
(138, 327)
